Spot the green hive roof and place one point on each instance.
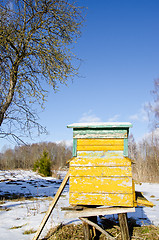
(101, 125)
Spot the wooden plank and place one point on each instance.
(108, 135)
(74, 152)
(97, 211)
(100, 148)
(125, 200)
(141, 200)
(100, 171)
(101, 184)
(51, 207)
(123, 222)
(134, 195)
(97, 133)
(103, 161)
(100, 144)
(100, 154)
(125, 153)
(70, 208)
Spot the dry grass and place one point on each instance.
(65, 232)
(146, 232)
(16, 227)
(75, 232)
(30, 231)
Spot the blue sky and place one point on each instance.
(119, 47)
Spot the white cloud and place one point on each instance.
(141, 115)
(114, 118)
(67, 143)
(89, 117)
(134, 117)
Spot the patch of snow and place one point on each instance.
(148, 215)
(19, 216)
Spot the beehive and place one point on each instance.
(100, 171)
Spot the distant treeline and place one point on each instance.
(145, 155)
(24, 157)
(146, 158)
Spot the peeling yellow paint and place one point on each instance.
(101, 184)
(100, 144)
(100, 154)
(102, 199)
(83, 161)
(100, 171)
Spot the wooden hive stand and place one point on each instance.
(88, 215)
(101, 173)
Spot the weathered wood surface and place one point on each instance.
(86, 231)
(75, 207)
(51, 207)
(125, 152)
(100, 171)
(123, 222)
(100, 144)
(88, 212)
(89, 231)
(100, 154)
(96, 133)
(100, 158)
(102, 199)
(98, 228)
(74, 150)
(101, 184)
(97, 177)
(141, 200)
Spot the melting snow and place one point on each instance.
(18, 216)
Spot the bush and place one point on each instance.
(43, 165)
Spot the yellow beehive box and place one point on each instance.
(100, 171)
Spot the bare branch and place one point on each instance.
(35, 49)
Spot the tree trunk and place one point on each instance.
(9, 97)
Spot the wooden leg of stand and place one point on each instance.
(123, 222)
(90, 232)
(86, 231)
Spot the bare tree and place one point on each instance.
(36, 37)
(154, 107)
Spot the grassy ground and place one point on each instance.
(75, 232)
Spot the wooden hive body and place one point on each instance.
(100, 171)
